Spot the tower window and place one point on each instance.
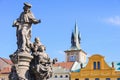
(94, 65)
(72, 58)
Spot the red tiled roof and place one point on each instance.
(67, 65)
(8, 61)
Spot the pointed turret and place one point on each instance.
(75, 39)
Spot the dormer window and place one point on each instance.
(98, 63)
(94, 65)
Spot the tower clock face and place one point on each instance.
(72, 58)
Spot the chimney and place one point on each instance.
(81, 65)
(112, 64)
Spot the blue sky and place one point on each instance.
(98, 22)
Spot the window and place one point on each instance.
(118, 78)
(107, 78)
(72, 58)
(66, 76)
(55, 76)
(96, 78)
(61, 76)
(76, 79)
(98, 65)
(86, 78)
(94, 65)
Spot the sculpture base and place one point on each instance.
(21, 62)
(23, 65)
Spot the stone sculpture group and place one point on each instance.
(30, 61)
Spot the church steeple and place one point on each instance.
(75, 39)
(75, 53)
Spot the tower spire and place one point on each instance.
(75, 53)
(75, 38)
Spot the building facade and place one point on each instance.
(97, 69)
(60, 73)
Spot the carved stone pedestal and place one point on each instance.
(23, 65)
(20, 69)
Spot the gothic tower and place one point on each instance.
(75, 53)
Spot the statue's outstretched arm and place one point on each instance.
(34, 20)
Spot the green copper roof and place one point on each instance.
(76, 67)
(116, 65)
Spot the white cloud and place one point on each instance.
(115, 20)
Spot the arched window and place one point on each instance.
(94, 65)
(98, 63)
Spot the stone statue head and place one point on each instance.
(27, 7)
(42, 48)
(37, 39)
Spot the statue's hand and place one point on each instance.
(39, 21)
(36, 21)
(15, 23)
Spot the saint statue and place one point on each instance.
(23, 25)
(31, 62)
